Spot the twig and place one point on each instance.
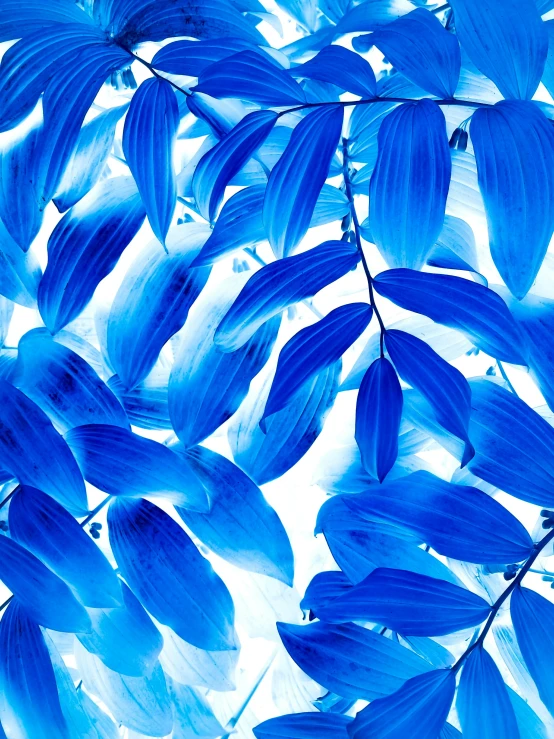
(370, 101)
(505, 377)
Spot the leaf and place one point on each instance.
(191, 58)
(47, 530)
(373, 15)
(304, 726)
(218, 167)
(322, 588)
(146, 405)
(350, 660)
(169, 576)
(410, 603)
(33, 451)
(20, 272)
(456, 520)
(250, 75)
(45, 597)
(513, 444)
(125, 464)
(506, 41)
(296, 180)
(340, 67)
(418, 45)
(103, 724)
(455, 247)
(409, 184)
(464, 305)
(418, 709)
(443, 386)
(312, 350)
(280, 284)
(29, 704)
(63, 384)
(514, 149)
(153, 302)
(85, 246)
(22, 17)
(192, 714)
(241, 527)
(378, 415)
(483, 703)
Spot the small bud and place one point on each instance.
(509, 575)
(548, 523)
(94, 533)
(462, 141)
(545, 513)
(491, 371)
(3, 526)
(455, 138)
(346, 236)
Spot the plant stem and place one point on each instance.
(8, 498)
(96, 510)
(369, 101)
(505, 377)
(235, 719)
(156, 73)
(355, 221)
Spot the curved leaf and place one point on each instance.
(192, 714)
(21, 17)
(455, 247)
(304, 726)
(146, 405)
(341, 67)
(20, 272)
(191, 58)
(322, 588)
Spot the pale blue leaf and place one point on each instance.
(410, 183)
(507, 41)
(146, 405)
(296, 180)
(304, 726)
(190, 58)
(455, 247)
(341, 67)
(20, 272)
(192, 714)
(350, 660)
(322, 588)
(220, 115)
(22, 17)
(85, 246)
(169, 576)
(331, 205)
(122, 463)
(280, 284)
(529, 724)
(241, 526)
(6, 313)
(373, 14)
(548, 75)
(514, 149)
(102, 723)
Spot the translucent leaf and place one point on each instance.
(341, 67)
(103, 725)
(146, 404)
(20, 272)
(455, 247)
(191, 58)
(192, 714)
(304, 726)
(369, 16)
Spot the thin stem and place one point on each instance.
(370, 101)
(539, 546)
(440, 8)
(156, 73)
(505, 377)
(8, 498)
(236, 718)
(98, 508)
(6, 603)
(357, 231)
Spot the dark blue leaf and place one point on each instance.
(483, 703)
(443, 386)
(457, 521)
(63, 384)
(280, 284)
(378, 416)
(120, 462)
(410, 183)
(350, 660)
(191, 58)
(312, 350)
(297, 179)
(304, 726)
(507, 42)
(148, 140)
(22, 17)
(20, 271)
(241, 526)
(85, 246)
(514, 149)
(47, 530)
(373, 15)
(169, 576)
(45, 597)
(455, 247)
(153, 302)
(221, 164)
(324, 587)
(461, 304)
(341, 67)
(35, 453)
(252, 76)
(410, 603)
(417, 710)
(146, 405)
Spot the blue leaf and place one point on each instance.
(35, 453)
(124, 638)
(45, 597)
(252, 76)
(455, 247)
(378, 415)
(423, 51)
(443, 386)
(509, 439)
(456, 520)
(103, 724)
(29, 703)
(148, 141)
(169, 576)
(483, 703)
(120, 462)
(529, 724)
(85, 246)
(191, 58)
(221, 164)
(280, 284)
(417, 710)
(47, 530)
(350, 660)
(410, 183)
(507, 42)
(304, 726)
(331, 205)
(63, 384)
(146, 405)
(514, 149)
(312, 350)
(20, 272)
(289, 433)
(297, 179)
(153, 302)
(241, 526)
(373, 15)
(341, 67)
(410, 603)
(22, 17)
(461, 304)
(192, 714)
(324, 587)
(548, 75)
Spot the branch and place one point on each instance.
(370, 101)
(156, 73)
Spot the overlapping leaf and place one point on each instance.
(341, 67)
